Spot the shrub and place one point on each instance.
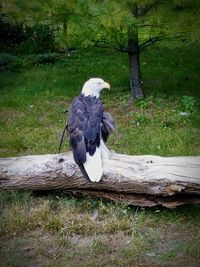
(46, 58)
(142, 103)
(40, 38)
(188, 103)
(39, 59)
(7, 61)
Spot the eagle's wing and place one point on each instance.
(107, 126)
(84, 124)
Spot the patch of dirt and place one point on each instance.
(25, 250)
(41, 248)
(114, 240)
(171, 249)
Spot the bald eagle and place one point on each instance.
(88, 129)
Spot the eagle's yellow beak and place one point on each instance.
(106, 85)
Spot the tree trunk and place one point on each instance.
(134, 61)
(137, 180)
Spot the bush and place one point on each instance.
(46, 58)
(40, 38)
(39, 59)
(7, 61)
(10, 62)
(188, 103)
(18, 38)
(142, 103)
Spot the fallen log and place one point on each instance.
(137, 180)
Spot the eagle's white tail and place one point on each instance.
(105, 153)
(93, 166)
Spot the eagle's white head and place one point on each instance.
(94, 86)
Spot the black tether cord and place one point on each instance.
(61, 139)
(62, 136)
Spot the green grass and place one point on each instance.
(33, 102)
(58, 229)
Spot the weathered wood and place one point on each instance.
(143, 180)
(142, 200)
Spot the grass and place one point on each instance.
(33, 103)
(59, 229)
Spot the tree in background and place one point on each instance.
(129, 26)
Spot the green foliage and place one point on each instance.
(26, 39)
(10, 62)
(108, 23)
(46, 58)
(7, 61)
(142, 103)
(188, 103)
(39, 38)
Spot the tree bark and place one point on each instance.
(134, 61)
(137, 180)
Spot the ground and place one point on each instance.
(63, 230)
(59, 229)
